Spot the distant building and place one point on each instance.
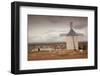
(47, 46)
(83, 45)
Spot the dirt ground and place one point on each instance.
(65, 54)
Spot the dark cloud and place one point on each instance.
(78, 22)
(48, 28)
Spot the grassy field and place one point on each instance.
(65, 54)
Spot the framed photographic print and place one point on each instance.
(52, 37)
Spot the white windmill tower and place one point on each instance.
(72, 38)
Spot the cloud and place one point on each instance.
(48, 28)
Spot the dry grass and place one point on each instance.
(65, 54)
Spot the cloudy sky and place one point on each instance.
(48, 28)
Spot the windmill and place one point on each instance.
(72, 34)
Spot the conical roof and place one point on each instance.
(72, 32)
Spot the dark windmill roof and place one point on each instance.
(72, 32)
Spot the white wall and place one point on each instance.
(5, 41)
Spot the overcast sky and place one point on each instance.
(48, 28)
